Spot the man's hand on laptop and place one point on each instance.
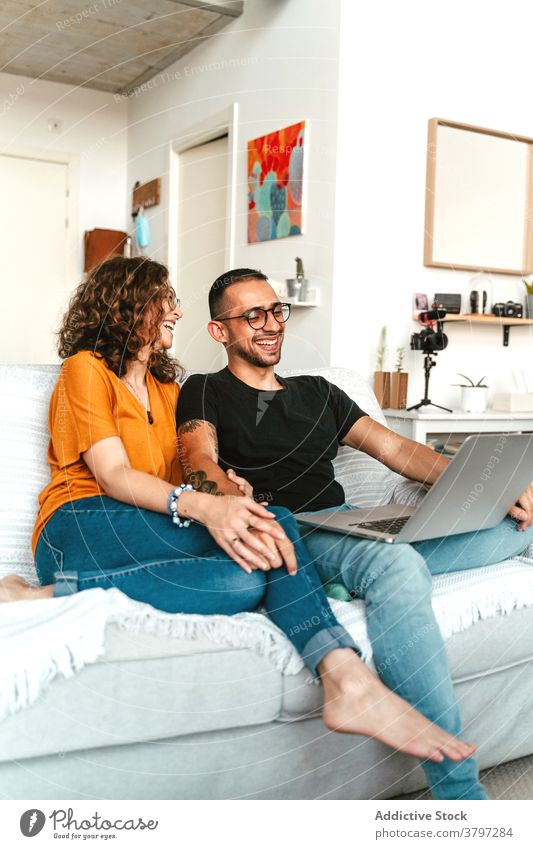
(522, 512)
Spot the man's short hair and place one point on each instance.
(217, 290)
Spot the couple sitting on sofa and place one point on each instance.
(122, 510)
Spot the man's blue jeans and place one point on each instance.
(395, 582)
(100, 542)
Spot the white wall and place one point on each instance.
(94, 127)
(279, 61)
(401, 64)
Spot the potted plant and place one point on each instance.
(381, 377)
(398, 387)
(474, 396)
(529, 298)
(297, 286)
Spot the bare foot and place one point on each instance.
(357, 702)
(15, 588)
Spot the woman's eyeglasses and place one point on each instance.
(257, 317)
(173, 300)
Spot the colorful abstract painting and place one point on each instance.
(275, 182)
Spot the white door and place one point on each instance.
(33, 257)
(201, 249)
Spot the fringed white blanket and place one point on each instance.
(45, 638)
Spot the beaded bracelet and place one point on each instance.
(172, 504)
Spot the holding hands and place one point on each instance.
(248, 533)
(245, 487)
(277, 558)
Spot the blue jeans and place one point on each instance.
(395, 582)
(100, 542)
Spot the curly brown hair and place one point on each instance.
(108, 314)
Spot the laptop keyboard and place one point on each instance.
(388, 526)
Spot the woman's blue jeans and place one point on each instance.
(396, 581)
(100, 542)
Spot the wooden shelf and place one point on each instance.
(503, 321)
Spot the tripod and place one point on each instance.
(429, 362)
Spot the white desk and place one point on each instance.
(417, 426)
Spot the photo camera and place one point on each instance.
(428, 339)
(511, 309)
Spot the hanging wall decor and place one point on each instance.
(275, 184)
(147, 195)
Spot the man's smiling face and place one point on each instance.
(260, 347)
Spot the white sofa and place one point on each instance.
(163, 718)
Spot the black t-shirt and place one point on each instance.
(283, 442)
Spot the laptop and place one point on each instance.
(475, 491)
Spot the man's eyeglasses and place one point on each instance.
(257, 317)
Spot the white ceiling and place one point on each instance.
(110, 45)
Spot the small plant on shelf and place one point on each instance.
(398, 382)
(471, 383)
(400, 355)
(381, 377)
(529, 297)
(382, 349)
(474, 396)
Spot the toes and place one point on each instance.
(424, 751)
(457, 750)
(453, 754)
(436, 755)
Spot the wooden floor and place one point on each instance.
(512, 780)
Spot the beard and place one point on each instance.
(252, 358)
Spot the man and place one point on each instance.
(282, 435)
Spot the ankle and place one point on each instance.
(339, 662)
(343, 669)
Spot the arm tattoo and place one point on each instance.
(199, 482)
(198, 477)
(194, 424)
(188, 427)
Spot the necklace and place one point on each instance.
(132, 387)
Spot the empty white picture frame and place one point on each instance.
(478, 199)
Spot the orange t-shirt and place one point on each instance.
(90, 403)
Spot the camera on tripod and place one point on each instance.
(429, 341)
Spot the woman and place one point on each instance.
(115, 512)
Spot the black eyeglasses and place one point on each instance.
(257, 317)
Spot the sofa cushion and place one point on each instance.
(146, 687)
(156, 688)
(24, 470)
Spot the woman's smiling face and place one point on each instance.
(173, 313)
